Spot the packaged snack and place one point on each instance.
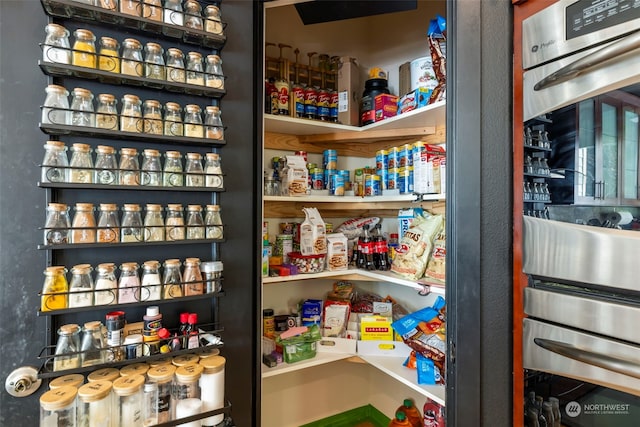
(337, 252)
(313, 239)
(415, 247)
(312, 312)
(437, 34)
(436, 267)
(295, 177)
(336, 314)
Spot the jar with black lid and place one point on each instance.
(372, 88)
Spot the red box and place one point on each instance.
(385, 106)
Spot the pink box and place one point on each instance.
(386, 106)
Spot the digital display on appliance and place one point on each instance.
(588, 16)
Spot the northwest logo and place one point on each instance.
(573, 409)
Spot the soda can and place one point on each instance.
(330, 159)
(317, 179)
(333, 106)
(322, 104)
(336, 185)
(392, 158)
(310, 103)
(382, 159)
(372, 185)
(392, 179)
(346, 178)
(297, 101)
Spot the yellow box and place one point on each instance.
(376, 328)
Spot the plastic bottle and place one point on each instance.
(192, 331)
(413, 414)
(365, 250)
(400, 420)
(182, 331)
(380, 250)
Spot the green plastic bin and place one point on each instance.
(364, 416)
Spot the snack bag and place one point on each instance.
(415, 247)
(437, 46)
(436, 267)
(295, 177)
(313, 236)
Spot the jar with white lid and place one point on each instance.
(195, 223)
(174, 223)
(128, 283)
(132, 63)
(213, 171)
(95, 407)
(154, 61)
(212, 275)
(108, 224)
(212, 387)
(67, 348)
(172, 279)
(107, 112)
(195, 69)
(173, 12)
(152, 117)
(213, 223)
(193, 127)
(175, 65)
(131, 116)
(193, 15)
(151, 281)
(162, 376)
(192, 277)
(151, 168)
(132, 229)
(82, 169)
(129, 168)
(57, 224)
(106, 284)
(173, 120)
(58, 407)
(186, 391)
(83, 225)
(172, 173)
(55, 164)
(56, 106)
(128, 398)
(56, 46)
(213, 21)
(213, 72)
(74, 380)
(213, 128)
(194, 172)
(106, 168)
(82, 111)
(81, 286)
(153, 223)
(93, 344)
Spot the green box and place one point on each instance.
(296, 352)
(362, 416)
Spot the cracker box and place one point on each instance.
(311, 312)
(427, 177)
(295, 176)
(376, 328)
(349, 91)
(385, 106)
(414, 99)
(337, 252)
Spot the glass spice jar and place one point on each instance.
(81, 286)
(108, 224)
(213, 72)
(54, 289)
(195, 69)
(194, 172)
(213, 128)
(131, 63)
(81, 171)
(193, 122)
(108, 58)
(213, 21)
(195, 223)
(128, 169)
(192, 277)
(212, 275)
(173, 120)
(151, 281)
(106, 284)
(58, 407)
(152, 117)
(193, 15)
(162, 376)
(132, 229)
(151, 169)
(108, 4)
(153, 224)
(213, 223)
(154, 61)
(172, 175)
(174, 223)
(131, 7)
(82, 112)
(186, 391)
(107, 112)
(128, 398)
(172, 279)
(128, 283)
(84, 224)
(67, 348)
(152, 9)
(56, 46)
(95, 404)
(56, 106)
(57, 224)
(131, 117)
(213, 171)
(84, 49)
(173, 12)
(93, 344)
(175, 65)
(105, 168)
(55, 164)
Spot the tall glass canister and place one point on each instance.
(95, 408)
(212, 387)
(81, 286)
(84, 224)
(108, 224)
(163, 377)
(58, 407)
(107, 112)
(151, 169)
(56, 46)
(129, 167)
(128, 398)
(153, 223)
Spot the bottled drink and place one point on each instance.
(412, 413)
(365, 249)
(400, 420)
(192, 331)
(184, 324)
(381, 250)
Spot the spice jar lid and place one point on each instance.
(54, 144)
(153, 47)
(189, 373)
(56, 88)
(211, 266)
(214, 208)
(84, 206)
(131, 207)
(174, 207)
(84, 34)
(152, 103)
(94, 391)
(154, 208)
(192, 108)
(172, 262)
(194, 208)
(132, 43)
(131, 98)
(151, 264)
(104, 374)
(108, 207)
(106, 267)
(85, 93)
(192, 6)
(93, 325)
(194, 156)
(53, 270)
(212, 109)
(191, 261)
(81, 147)
(197, 56)
(58, 398)
(161, 374)
(129, 151)
(173, 154)
(185, 359)
(174, 51)
(162, 361)
(56, 30)
(213, 364)
(57, 206)
(105, 149)
(213, 156)
(213, 58)
(74, 380)
(81, 268)
(128, 266)
(151, 152)
(134, 368)
(109, 42)
(209, 352)
(126, 386)
(68, 329)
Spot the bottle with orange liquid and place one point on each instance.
(412, 413)
(400, 420)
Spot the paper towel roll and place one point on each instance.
(620, 218)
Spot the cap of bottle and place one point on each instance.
(193, 318)
(154, 310)
(184, 317)
(163, 333)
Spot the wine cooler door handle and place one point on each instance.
(582, 65)
(600, 360)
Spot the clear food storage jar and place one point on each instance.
(212, 387)
(128, 398)
(58, 407)
(186, 391)
(163, 377)
(95, 404)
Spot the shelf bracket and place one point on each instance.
(426, 289)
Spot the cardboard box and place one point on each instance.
(349, 91)
(427, 170)
(404, 77)
(385, 106)
(376, 328)
(414, 99)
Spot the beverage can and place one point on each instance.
(328, 173)
(330, 159)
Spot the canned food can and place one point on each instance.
(323, 105)
(310, 103)
(403, 182)
(411, 187)
(329, 159)
(333, 106)
(317, 179)
(417, 147)
(286, 228)
(392, 179)
(297, 101)
(336, 185)
(282, 86)
(392, 158)
(372, 185)
(346, 178)
(404, 156)
(383, 174)
(283, 246)
(328, 173)
(382, 159)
